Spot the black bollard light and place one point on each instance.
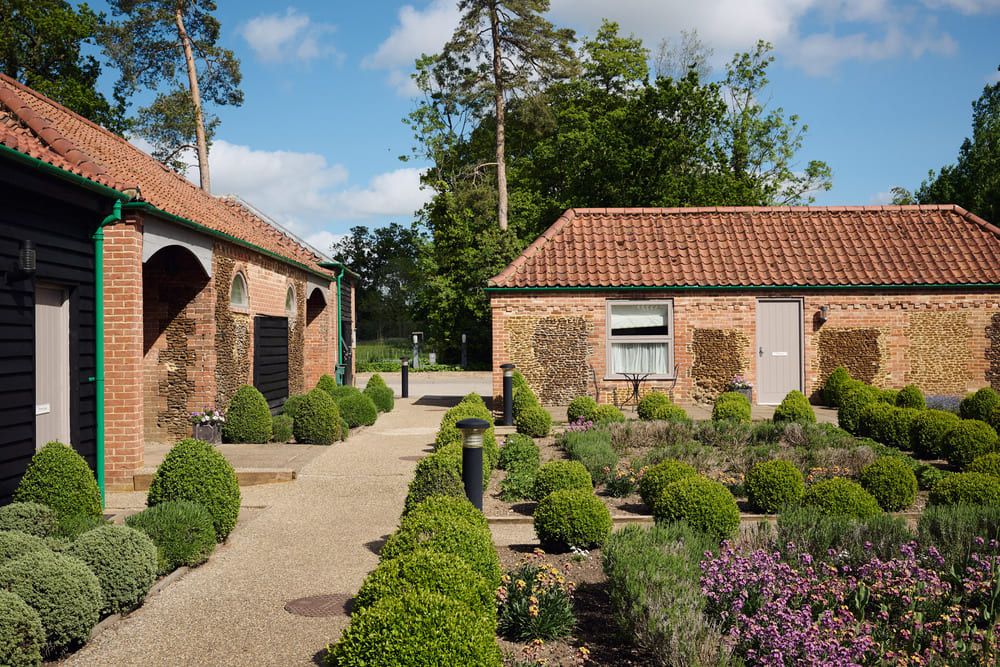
(508, 394)
(472, 458)
(465, 356)
(405, 370)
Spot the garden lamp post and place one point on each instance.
(508, 394)
(405, 373)
(472, 458)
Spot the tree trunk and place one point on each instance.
(199, 120)
(498, 85)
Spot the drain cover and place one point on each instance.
(334, 604)
(410, 458)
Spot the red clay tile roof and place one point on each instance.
(32, 124)
(751, 247)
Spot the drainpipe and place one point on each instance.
(340, 319)
(98, 236)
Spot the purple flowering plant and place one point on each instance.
(208, 416)
(580, 424)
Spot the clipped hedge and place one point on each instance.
(660, 476)
(533, 421)
(856, 395)
(988, 464)
(519, 450)
(317, 419)
(795, 407)
(436, 475)
(357, 409)
(966, 488)
(291, 406)
(832, 390)
(182, 531)
(60, 478)
(21, 632)
(14, 544)
(841, 496)
(194, 470)
(910, 396)
(731, 406)
(581, 407)
(62, 590)
(281, 428)
(124, 560)
(706, 505)
(608, 413)
(419, 628)
(560, 474)
(650, 404)
(381, 395)
(29, 517)
(248, 419)
(967, 441)
(979, 405)
(927, 431)
(891, 482)
(571, 518)
(774, 484)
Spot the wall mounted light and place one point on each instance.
(823, 313)
(24, 267)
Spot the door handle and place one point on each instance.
(760, 351)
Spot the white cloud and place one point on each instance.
(418, 32)
(967, 7)
(880, 199)
(323, 240)
(292, 37)
(392, 193)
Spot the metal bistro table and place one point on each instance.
(635, 382)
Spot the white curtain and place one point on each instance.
(641, 358)
(635, 316)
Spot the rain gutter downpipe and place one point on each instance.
(340, 306)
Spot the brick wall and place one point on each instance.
(123, 395)
(943, 341)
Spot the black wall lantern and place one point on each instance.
(823, 313)
(24, 268)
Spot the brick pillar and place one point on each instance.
(123, 367)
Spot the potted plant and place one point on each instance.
(741, 386)
(207, 425)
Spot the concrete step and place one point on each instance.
(247, 477)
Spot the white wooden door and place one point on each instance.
(779, 349)
(51, 365)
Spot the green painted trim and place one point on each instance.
(62, 174)
(700, 288)
(98, 236)
(147, 207)
(339, 265)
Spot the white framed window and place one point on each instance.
(640, 335)
(290, 301)
(239, 295)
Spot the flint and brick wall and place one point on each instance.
(944, 341)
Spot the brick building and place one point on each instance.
(169, 296)
(782, 296)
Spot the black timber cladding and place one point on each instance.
(60, 218)
(346, 329)
(270, 359)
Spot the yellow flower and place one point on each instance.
(520, 584)
(533, 610)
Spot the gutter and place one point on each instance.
(340, 305)
(706, 288)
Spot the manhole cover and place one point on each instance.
(410, 458)
(334, 604)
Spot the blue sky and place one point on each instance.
(884, 86)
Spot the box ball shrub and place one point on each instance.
(73, 525)
(841, 496)
(519, 451)
(435, 476)
(428, 570)
(248, 419)
(669, 412)
(357, 409)
(851, 402)
(650, 403)
(927, 432)
(967, 441)
(966, 488)
(281, 428)
(731, 406)
(834, 386)
(608, 413)
(455, 535)
(291, 405)
(979, 405)
(892, 483)
(194, 470)
(21, 632)
(451, 506)
(571, 518)
(327, 383)
(581, 407)
(182, 531)
(561, 474)
(124, 560)
(662, 475)
(58, 477)
(317, 419)
(14, 544)
(64, 592)
(706, 505)
(381, 395)
(30, 517)
(533, 421)
(375, 380)
(418, 628)
(448, 432)
(988, 464)
(771, 485)
(910, 396)
(795, 407)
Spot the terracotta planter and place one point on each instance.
(210, 433)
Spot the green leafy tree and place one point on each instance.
(502, 47)
(973, 182)
(386, 258)
(40, 46)
(173, 42)
(762, 144)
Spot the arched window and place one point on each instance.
(290, 301)
(239, 296)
